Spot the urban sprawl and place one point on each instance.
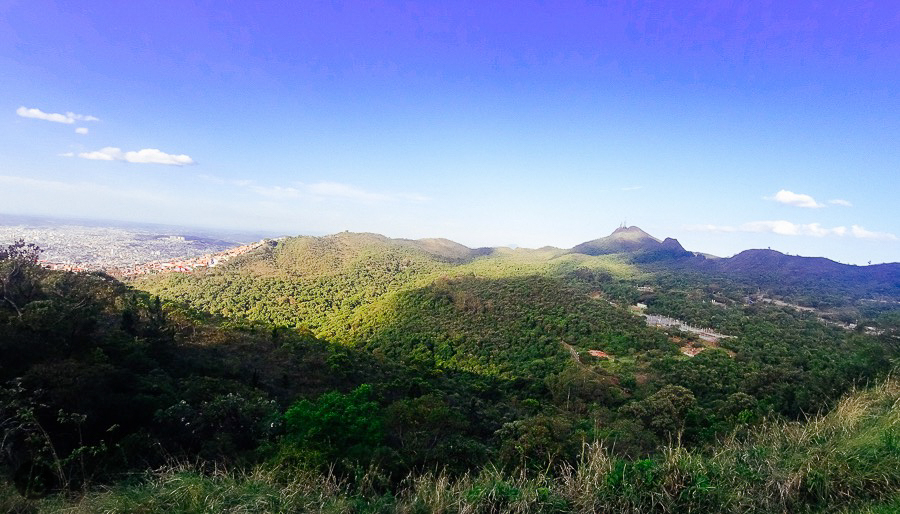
(121, 251)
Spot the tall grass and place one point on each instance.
(845, 461)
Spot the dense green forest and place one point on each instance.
(515, 314)
(358, 373)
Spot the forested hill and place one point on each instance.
(358, 268)
(342, 251)
(359, 360)
(811, 275)
(530, 314)
(312, 281)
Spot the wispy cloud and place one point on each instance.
(842, 203)
(144, 156)
(336, 189)
(631, 188)
(318, 191)
(327, 189)
(109, 153)
(277, 192)
(223, 181)
(80, 188)
(154, 156)
(81, 130)
(862, 233)
(68, 118)
(710, 228)
(787, 228)
(796, 199)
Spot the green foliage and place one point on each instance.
(18, 275)
(537, 441)
(665, 411)
(845, 461)
(212, 424)
(452, 380)
(96, 379)
(513, 328)
(526, 318)
(336, 427)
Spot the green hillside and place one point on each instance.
(845, 461)
(519, 314)
(321, 283)
(402, 372)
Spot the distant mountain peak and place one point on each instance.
(633, 233)
(633, 240)
(671, 242)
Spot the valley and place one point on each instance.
(426, 354)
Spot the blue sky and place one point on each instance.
(728, 125)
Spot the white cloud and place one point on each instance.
(145, 156)
(68, 118)
(41, 115)
(154, 156)
(796, 199)
(842, 203)
(81, 130)
(277, 191)
(787, 228)
(82, 117)
(862, 233)
(110, 153)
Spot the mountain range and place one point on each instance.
(632, 244)
(355, 351)
(765, 266)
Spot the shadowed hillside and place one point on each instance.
(372, 359)
(513, 314)
(809, 276)
(322, 282)
(845, 461)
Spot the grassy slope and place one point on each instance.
(847, 460)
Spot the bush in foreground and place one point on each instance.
(845, 461)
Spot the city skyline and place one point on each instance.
(725, 127)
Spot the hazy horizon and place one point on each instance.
(236, 235)
(491, 124)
